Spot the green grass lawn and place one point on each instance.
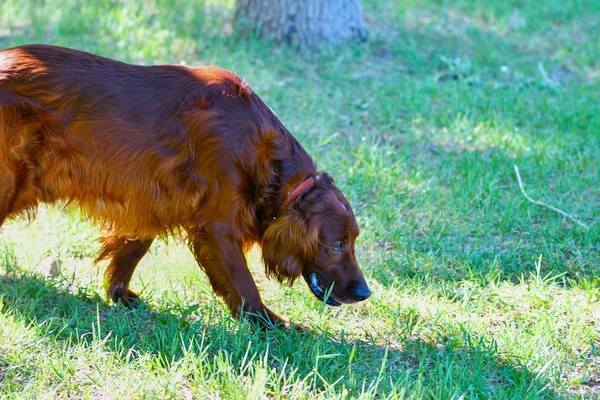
(477, 293)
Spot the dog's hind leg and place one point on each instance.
(7, 191)
(21, 141)
(124, 254)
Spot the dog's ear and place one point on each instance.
(288, 245)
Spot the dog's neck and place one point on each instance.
(301, 189)
(288, 174)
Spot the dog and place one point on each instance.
(151, 151)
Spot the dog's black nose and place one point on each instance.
(362, 292)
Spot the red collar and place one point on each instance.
(299, 191)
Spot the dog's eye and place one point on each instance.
(338, 246)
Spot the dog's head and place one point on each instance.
(314, 237)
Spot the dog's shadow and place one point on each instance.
(69, 316)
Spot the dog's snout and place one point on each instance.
(362, 292)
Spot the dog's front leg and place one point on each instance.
(218, 250)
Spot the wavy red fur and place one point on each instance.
(148, 151)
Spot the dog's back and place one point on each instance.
(113, 137)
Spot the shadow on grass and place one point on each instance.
(326, 363)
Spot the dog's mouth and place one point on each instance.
(319, 290)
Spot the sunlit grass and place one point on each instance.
(477, 292)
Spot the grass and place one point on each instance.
(477, 292)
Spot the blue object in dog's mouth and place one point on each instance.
(318, 290)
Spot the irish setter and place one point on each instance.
(148, 151)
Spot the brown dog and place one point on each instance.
(151, 151)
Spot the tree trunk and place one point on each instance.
(302, 23)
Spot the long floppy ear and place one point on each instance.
(288, 244)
